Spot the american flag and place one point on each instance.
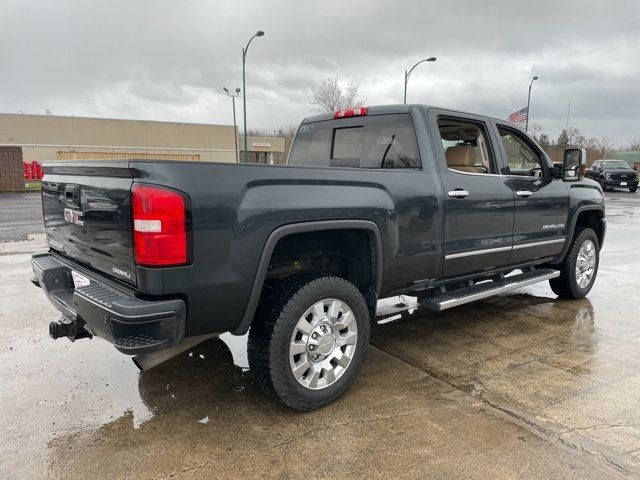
(519, 116)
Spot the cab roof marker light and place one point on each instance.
(351, 112)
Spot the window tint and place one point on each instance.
(466, 146)
(377, 141)
(521, 157)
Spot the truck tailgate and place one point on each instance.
(87, 214)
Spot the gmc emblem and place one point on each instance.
(73, 216)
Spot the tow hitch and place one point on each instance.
(72, 328)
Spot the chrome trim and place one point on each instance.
(502, 249)
(524, 193)
(454, 302)
(458, 193)
(476, 252)
(477, 174)
(538, 244)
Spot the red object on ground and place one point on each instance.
(32, 171)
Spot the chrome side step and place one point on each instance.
(445, 300)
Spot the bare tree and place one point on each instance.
(634, 146)
(331, 96)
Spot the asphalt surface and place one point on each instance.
(20, 215)
(518, 386)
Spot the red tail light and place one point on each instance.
(159, 226)
(351, 112)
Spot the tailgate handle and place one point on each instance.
(71, 195)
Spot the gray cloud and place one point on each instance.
(168, 60)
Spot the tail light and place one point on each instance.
(159, 226)
(351, 112)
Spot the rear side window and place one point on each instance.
(378, 141)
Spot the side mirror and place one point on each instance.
(573, 164)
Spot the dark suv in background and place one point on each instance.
(614, 174)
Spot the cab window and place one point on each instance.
(466, 146)
(377, 141)
(521, 157)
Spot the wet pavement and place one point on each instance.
(20, 215)
(517, 386)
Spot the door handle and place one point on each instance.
(458, 193)
(524, 193)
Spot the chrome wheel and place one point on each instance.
(585, 263)
(323, 344)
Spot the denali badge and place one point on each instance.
(122, 273)
(57, 245)
(73, 216)
(553, 225)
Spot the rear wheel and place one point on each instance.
(308, 340)
(579, 269)
(633, 189)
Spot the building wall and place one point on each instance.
(11, 170)
(49, 137)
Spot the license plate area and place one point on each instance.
(79, 280)
(623, 184)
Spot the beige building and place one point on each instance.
(50, 137)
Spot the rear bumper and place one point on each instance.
(106, 310)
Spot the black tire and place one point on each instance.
(604, 185)
(633, 189)
(566, 285)
(274, 325)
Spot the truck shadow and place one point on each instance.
(201, 399)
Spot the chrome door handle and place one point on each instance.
(458, 193)
(524, 193)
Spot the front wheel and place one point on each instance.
(308, 340)
(579, 268)
(603, 185)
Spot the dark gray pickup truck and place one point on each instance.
(450, 207)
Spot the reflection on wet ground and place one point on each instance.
(518, 386)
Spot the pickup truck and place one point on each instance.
(445, 206)
(612, 174)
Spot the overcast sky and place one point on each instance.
(168, 60)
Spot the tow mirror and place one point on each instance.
(573, 164)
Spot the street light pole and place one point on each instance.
(526, 125)
(259, 33)
(407, 74)
(235, 127)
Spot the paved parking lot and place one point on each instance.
(518, 386)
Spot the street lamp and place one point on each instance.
(235, 128)
(408, 74)
(526, 125)
(259, 33)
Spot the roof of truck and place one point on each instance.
(399, 108)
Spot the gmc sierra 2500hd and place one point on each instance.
(155, 256)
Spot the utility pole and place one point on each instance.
(568, 112)
(259, 33)
(407, 74)
(235, 127)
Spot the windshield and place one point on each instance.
(615, 164)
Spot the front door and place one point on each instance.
(478, 217)
(541, 202)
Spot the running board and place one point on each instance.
(445, 300)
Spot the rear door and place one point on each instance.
(479, 202)
(87, 214)
(541, 202)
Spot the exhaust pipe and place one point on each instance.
(147, 361)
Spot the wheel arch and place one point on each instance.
(590, 216)
(280, 233)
